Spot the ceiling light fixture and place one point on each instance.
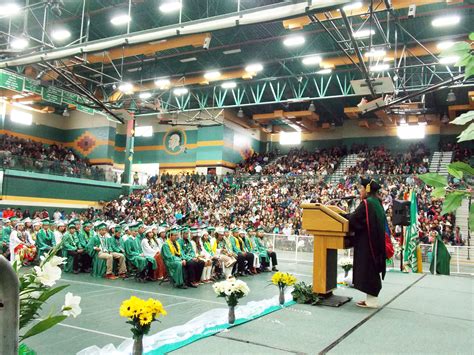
(229, 85)
(375, 53)
(187, 60)
(10, 9)
(126, 88)
(446, 21)
(119, 20)
(144, 95)
(324, 71)
(170, 6)
(311, 107)
(162, 83)
(294, 41)
(449, 60)
(232, 51)
(444, 45)
(451, 97)
(312, 60)
(354, 6)
(254, 68)
(212, 75)
(60, 34)
(379, 68)
(240, 113)
(180, 91)
(363, 33)
(19, 43)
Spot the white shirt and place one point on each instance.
(15, 241)
(58, 236)
(149, 248)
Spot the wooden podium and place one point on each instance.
(331, 232)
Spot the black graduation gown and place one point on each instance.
(368, 264)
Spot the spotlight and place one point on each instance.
(212, 75)
(229, 85)
(312, 60)
(254, 68)
(19, 43)
(180, 91)
(170, 6)
(126, 88)
(60, 34)
(119, 20)
(294, 41)
(446, 21)
(144, 95)
(162, 83)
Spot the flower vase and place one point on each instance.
(231, 314)
(282, 296)
(138, 345)
(346, 272)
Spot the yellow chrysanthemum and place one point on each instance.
(285, 279)
(146, 318)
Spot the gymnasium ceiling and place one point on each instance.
(284, 84)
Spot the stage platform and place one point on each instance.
(419, 313)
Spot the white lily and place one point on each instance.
(48, 274)
(54, 260)
(71, 305)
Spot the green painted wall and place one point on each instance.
(98, 138)
(25, 184)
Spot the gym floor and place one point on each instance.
(420, 313)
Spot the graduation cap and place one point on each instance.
(46, 222)
(101, 225)
(87, 224)
(37, 222)
(235, 229)
(71, 225)
(370, 185)
(250, 229)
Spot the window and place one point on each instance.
(290, 138)
(144, 131)
(411, 132)
(21, 117)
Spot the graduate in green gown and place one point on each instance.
(442, 257)
(5, 238)
(45, 238)
(105, 251)
(267, 255)
(194, 266)
(75, 254)
(244, 259)
(134, 254)
(250, 247)
(171, 253)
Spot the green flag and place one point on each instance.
(410, 260)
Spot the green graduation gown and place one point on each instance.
(44, 241)
(5, 238)
(99, 266)
(443, 257)
(260, 249)
(236, 249)
(133, 252)
(69, 243)
(173, 265)
(187, 251)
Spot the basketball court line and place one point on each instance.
(143, 291)
(92, 331)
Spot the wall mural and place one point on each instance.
(174, 141)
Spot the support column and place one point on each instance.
(129, 148)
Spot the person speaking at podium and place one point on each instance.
(367, 223)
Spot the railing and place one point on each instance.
(299, 249)
(52, 167)
(462, 258)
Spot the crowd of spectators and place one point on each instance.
(25, 154)
(381, 161)
(320, 162)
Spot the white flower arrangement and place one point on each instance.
(231, 289)
(346, 263)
